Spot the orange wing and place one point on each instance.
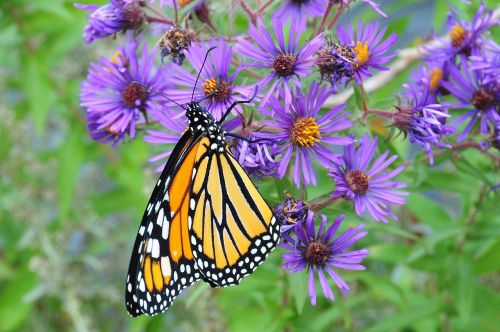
(162, 259)
(232, 227)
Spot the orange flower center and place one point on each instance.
(457, 35)
(220, 89)
(305, 132)
(436, 76)
(362, 53)
(184, 2)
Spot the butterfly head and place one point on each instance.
(202, 122)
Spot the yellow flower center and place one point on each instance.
(305, 132)
(184, 2)
(362, 53)
(457, 35)
(436, 76)
(116, 57)
(209, 86)
(220, 89)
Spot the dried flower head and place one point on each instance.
(336, 62)
(175, 41)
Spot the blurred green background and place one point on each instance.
(70, 209)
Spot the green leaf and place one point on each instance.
(298, 286)
(467, 167)
(14, 308)
(38, 89)
(464, 290)
(407, 317)
(389, 252)
(358, 97)
(70, 160)
(488, 259)
(441, 10)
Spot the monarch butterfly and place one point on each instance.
(205, 220)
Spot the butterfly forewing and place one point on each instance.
(162, 261)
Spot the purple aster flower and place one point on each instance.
(116, 16)
(422, 119)
(259, 158)
(113, 101)
(287, 63)
(470, 89)
(371, 51)
(429, 76)
(323, 254)
(374, 5)
(365, 185)
(291, 213)
(215, 80)
(464, 37)
(305, 132)
(300, 10)
(336, 62)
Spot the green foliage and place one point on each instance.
(70, 208)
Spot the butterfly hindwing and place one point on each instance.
(162, 262)
(232, 227)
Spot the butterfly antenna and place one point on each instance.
(199, 73)
(158, 93)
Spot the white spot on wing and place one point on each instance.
(142, 286)
(156, 249)
(159, 219)
(165, 266)
(165, 228)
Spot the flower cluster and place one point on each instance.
(293, 127)
(465, 67)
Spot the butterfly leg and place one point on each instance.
(237, 102)
(246, 139)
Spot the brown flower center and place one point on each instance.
(482, 99)
(219, 88)
(457, 35)
(132, 93)
(317, 253)
(284, 64)
(357, 181)
(305, 132)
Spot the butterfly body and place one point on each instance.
(202, 121)
(205, 220)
